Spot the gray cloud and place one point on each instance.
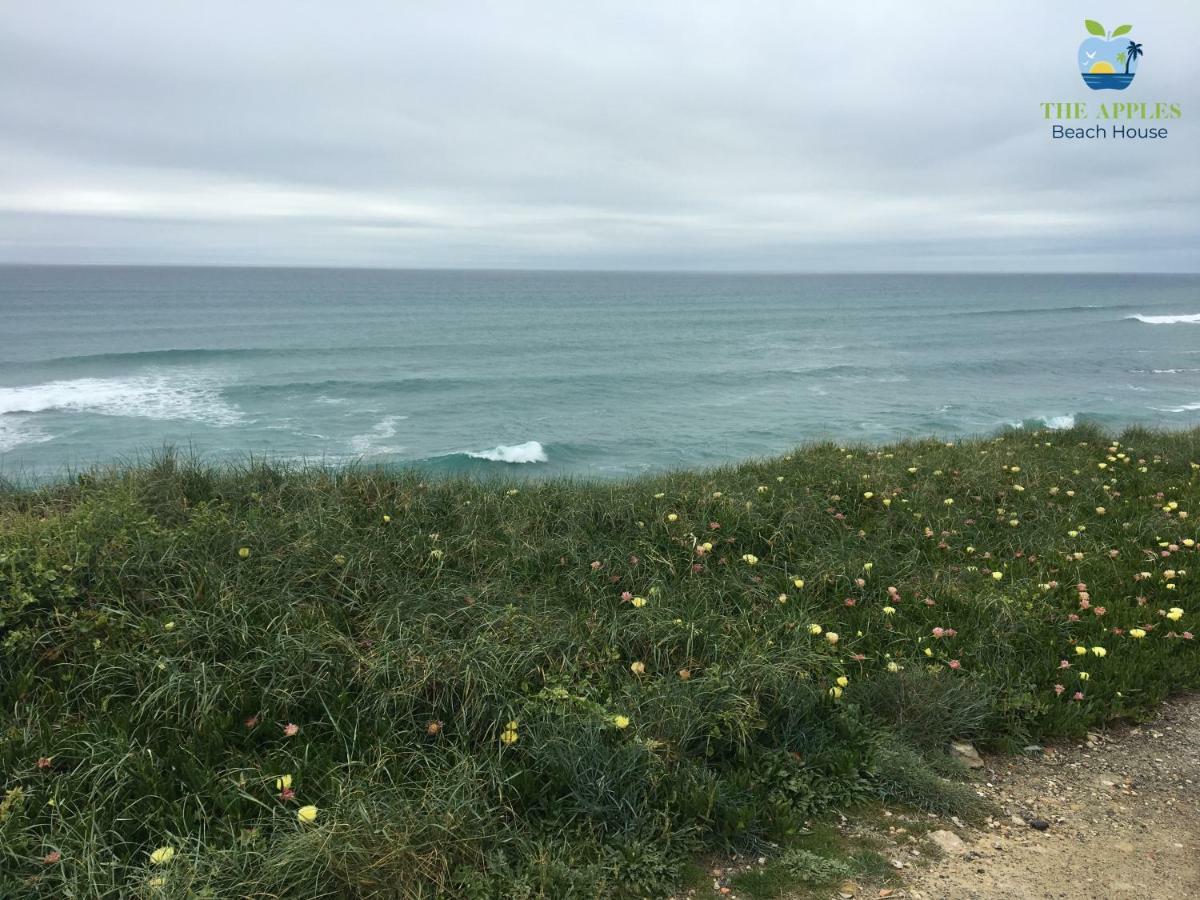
(880, 135)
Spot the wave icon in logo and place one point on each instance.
(1106, 63)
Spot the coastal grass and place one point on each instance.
(263, 682)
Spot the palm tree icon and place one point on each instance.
(1132, 52)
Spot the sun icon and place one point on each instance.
(1102, 68)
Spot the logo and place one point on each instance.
(1106, 63)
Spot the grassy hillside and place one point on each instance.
(360, 684)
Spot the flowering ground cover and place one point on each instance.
(283, 683)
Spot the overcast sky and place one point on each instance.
(858, 135)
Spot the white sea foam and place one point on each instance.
(371, 443)
(528, 452)
(146, 396)
(1190, 407)
(1059, 423)
(17, 430)
(1191, 319)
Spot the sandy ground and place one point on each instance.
(1123, 816)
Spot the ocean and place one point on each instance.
(584, 373)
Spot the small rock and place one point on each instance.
(1038, 824)
(965, 753)
(948, 841)
(847, 889)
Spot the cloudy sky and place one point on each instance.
(743, 135)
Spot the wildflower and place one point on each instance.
(831, 636)
(168, 626)
(750, 559)
(638, 602)
(672, 517)
(889, 610)
(509, 735)
(716, 495)
(250, 721)
(762, 488)
(512, 492)
(386, 518)
(1064, 664)
(1058, 689)
(339, 560)
(291, 729)
(306, 815)
(283, 782)
(44, 762)
(798, 583)
(867, 495)
(620, 721)
(1084, 676)
(1137, 633)
(1081, 650)
(1100, 510)
(955, 664)
(835, 692)
(595, 564)
(1077, 696)
(434, 728)
(162, 856)
(685, 674)
(1175, 614)
(814, 629)
(843, 681)
(938, 632)
(659, 495)
(244, 552)
(894, 667)
(51, 858)
(626, 596)
(929, 651)
(782, 598)
(436, 554)
(949, 501)
(637, 668)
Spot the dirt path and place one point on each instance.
(1123, 816)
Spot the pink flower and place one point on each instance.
(857, 657)
(1058, 689)
(287, 794)
(43, 762)
(860, 582)
(250, 721)
(892, 592)
(1071, 617)
(1078, 695)
(929, 601)
(939, 631)
(1064, 664)
(1187, 635)
(52, 857)
(291, 729)
(626, 596)
(714, 526)
(955, 664)
(1099, 610)
(697, 568)
(850, 601)
(1084, 603)
(1081, 587)
(633, 560)
(595, 565)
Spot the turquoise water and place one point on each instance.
(591, 373)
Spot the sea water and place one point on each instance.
(589, 373)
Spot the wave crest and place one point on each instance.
(528, 452)
(1187, 318)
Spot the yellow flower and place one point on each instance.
(835, 692)
(929, 651)
(814, 628)
(868, 495)
(386, 519)
(168, 626)
(762, 488)
(716, 495)
(750, 559)
(1175, 614)
(1100, 510)
(508, 737)
(1084, 676)
(996, 576)
(843, 681)
(798, 582)
(782, 598)
(831, 636)
(889, 610)
(659, 495)
(672, 517)
(512, 725)
(637, 668)
(1137, 633)
(949, 501)
(283, 782)
(306, 815)
(620, 721)
(244, 552)
(639, 602)
(1080, 650)
(1099, 651)
(162, 856)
